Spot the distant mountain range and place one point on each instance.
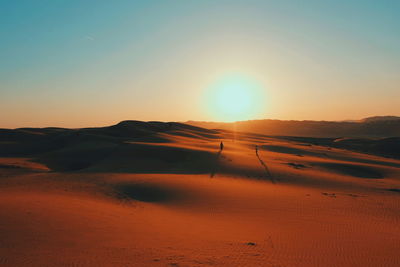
(371, 127)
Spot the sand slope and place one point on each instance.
(154, 194)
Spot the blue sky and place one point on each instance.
(83, 63)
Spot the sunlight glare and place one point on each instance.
(235, 98)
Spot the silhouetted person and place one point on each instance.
(221, 146)
(257, 149)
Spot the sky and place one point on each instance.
(90, 63)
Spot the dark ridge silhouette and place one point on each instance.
(380, 118)
(138, 128)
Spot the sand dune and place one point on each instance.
(163, 194)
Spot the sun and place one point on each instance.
(234, 98)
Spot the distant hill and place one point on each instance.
(381, 118)
(372, 127)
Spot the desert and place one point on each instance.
(164, 194)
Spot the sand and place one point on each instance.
(171, 198)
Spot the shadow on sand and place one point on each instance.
(215, 165)
(147, 192)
